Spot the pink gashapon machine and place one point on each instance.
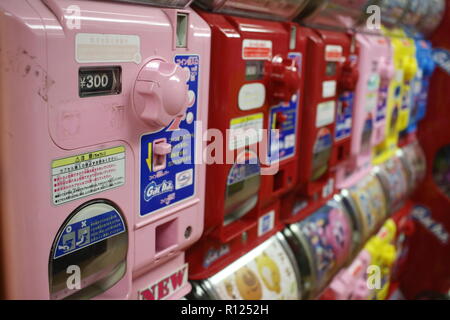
(101, 192)
(376, 69)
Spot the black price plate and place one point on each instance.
(99, 81)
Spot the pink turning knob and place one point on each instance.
(161, 93)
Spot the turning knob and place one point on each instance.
(349, 76)
(284, 80)
(161, 93)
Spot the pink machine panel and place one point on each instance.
(376, 69)
(101, 190)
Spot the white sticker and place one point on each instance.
(97, 48)
(289, 141)
(86, 174)
(333, 53)
(328, 89)
(167, 286)
(184, 178)
(245, 131)
(266, 223)
(256, 49)
(251, 96)
(325, 113)
(373, 85)
(328, 189)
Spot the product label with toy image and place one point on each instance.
(265, 273)
(369, 198)
(344, 116)
(328, 236)
(162, 186)
(283, 131)
(396, 179)
(382, 103)
(377, 198)
(362, 201)
(283, 123)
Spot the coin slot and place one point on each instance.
(341, 152)
(293, 38)
(182, 27)
(166, 235)
(160, 151)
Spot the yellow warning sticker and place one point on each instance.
(85, 174)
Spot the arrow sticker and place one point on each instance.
(149, 158)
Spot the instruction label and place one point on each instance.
(245, 131)
(344, 116)
(97, 48)
(256, 49)
(163, 186)
(86, 232)
(86, 174)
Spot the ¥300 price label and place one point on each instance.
(95, 81)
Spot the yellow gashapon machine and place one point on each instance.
(399, 94)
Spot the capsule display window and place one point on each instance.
(89, 252)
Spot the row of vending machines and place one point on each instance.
(362, 232)
(244, 149)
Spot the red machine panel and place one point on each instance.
(261, 96)
(326, 119)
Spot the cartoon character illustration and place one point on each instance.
(248, 284)
(229, 288)
(328, 234)
(377, 199)
(366, 209)
(337, 233)
(314, 230)
(396, 179)
(269, 272)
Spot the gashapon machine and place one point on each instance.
(376, 69)
(256, 109)
(430, 243)
(399, 93)
(106, 195)
(325, 137)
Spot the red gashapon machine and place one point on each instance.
(255, 109)
(327, 113)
